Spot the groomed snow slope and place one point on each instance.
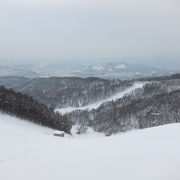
(28, 151)
(99, 103)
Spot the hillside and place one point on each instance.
(26, 108)
(108, 106)
(66, 91)
(97, 104)
(154, 104)
(28, 151)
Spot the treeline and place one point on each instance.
(25, 107)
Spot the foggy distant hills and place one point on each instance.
(108, 70)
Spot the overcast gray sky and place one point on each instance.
(89, 28)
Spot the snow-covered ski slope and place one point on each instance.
(28, 151)
(99, 103)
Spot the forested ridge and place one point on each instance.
(25, 107)
(155, 104)
(61, 92)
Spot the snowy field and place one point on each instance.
(99, 103)
(28, 151)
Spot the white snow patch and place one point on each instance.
(98, 68)
(90, 133)
(99, 103)
(29, 152)
(121, 66)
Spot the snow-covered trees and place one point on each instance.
(66, 91)
(155, 104)
(26, 107)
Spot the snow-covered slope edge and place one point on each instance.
(28, 151)
(99, 103)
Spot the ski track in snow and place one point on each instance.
(99, 103)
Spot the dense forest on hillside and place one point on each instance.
(155, 104)
(66, 91)
(27, 108)
(59, 92)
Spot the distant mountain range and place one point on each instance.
(120, 70)
(108, 70)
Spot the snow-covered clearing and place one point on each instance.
(99, 103)
(28, 151)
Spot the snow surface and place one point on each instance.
(28, 151)
(99, 103)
